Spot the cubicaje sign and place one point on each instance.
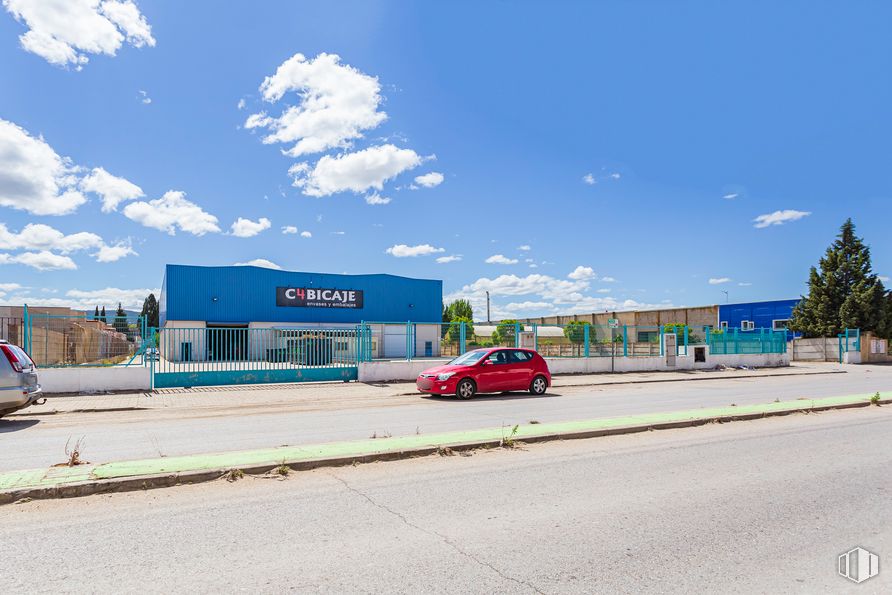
(306, 297)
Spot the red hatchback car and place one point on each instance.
(487, 371)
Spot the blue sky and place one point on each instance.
(624, 149)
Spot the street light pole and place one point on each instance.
(726, 295)
(487, 307)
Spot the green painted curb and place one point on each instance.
(159, 472)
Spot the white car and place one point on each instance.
(19, 386)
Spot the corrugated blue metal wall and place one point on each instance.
(240, 294)
(762, 314)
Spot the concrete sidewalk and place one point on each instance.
(349, 393)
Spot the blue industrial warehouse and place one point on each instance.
(773, 315)
(398, 311)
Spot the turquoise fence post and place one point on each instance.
(857, 339)
(26, 331)
(408, 340)
(661, 341)
(736, 341)
(462, 337)
(517, 334)
(535, 337)
(625, 340)
(685, 339)
(585, 338)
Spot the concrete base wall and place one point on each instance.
(384, 371)
(94, 380)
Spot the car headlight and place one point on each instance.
(445, 376)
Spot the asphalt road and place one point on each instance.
(38, 441)
(762, 506)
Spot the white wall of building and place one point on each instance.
(94, 380)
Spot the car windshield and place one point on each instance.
(469, 358)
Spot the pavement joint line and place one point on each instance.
(83, 480)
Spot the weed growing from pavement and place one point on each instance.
(875, 400)
(282, 470)
(233, 475)
(509, 441)
(74, 453)
(534, 421)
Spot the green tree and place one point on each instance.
(102, 316)
(575, 332)
(461, 309)
(504, 333)
(678, 328)
(150, 311)
(120, 322)
(453, 335)
(843, 291)
(96, 313)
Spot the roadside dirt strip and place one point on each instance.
(82, 480)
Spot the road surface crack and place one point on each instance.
(433, 533)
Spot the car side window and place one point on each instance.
(498, 357)
(520, 357)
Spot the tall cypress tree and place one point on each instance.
(844, 292)
(120, 322)
(150, 311)
(96, 313)
(102, 316)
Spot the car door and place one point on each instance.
(520, 370)
(493, 371)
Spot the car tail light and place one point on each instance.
(11, 357)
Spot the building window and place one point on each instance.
(780, 325)
(747, 325)
(724, 325)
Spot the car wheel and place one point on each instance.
(465, 389)
(539, 385)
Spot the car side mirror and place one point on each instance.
(486, 362)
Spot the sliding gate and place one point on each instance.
(233, 355)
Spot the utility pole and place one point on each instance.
(487, 307)
(726, 295)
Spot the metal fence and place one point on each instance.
(12, 329)
(58, 340)
(414, 340)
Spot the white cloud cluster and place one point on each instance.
(259, 262)
(289, 229)
(335, 105)
(448, 259)
(358, 171)
(171, 212)
(63, 32)
(779, 218)
(111, 189)
(429, 180)
(404, 251)
(79, 299)
(43, 241)
(33, 177)
(245, 228)
(582, 273)
(719, 280)
(500, 259)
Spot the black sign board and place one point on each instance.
(313, 297)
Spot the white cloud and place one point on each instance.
(614, 176)
(779, 218)
(743, 284)
(131, 299)
(603, 290)
(730, 195)
(240, 105)
(589, 179)
(403, 251)
(582, 273)
(306, 234)
(288, 229)
(448, 259)
(429, 180)
(170, 212)
(500, 259)
(112, 189)
(33, 177)
(534, 266)
(259, 262)
(43, 238)
(608, 280)
(63, 32)
(528, 305)
(42, 261)
(719, 280)
(11, 286)
(883, 278)
(359, 171)
(114, 253)
(245, 228)
(525, 248)
(377, 199)
(336, 103)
